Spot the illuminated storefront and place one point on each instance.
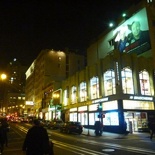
(119, 78)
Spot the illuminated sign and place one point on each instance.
(100, 100)
(133, 35)
(141, 98)
(84, 108)
(29, 103)
(73, 109)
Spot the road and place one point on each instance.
(74, 144)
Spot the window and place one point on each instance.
(65, 97)
(94, 87)
(111, 42)
(109, 83)
(111, 119)
(144, 83)
(83, 91)
(127, 81)
(73, 95)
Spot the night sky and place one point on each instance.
(28, 26)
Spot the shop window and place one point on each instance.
(127, 81)
(94, 88)
(83, 118)
(83, 91)
(73, 117)
(109, 83)
(111, 119)
(73, 95)
(144, 83)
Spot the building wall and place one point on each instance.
(47, 71)
(137, 64)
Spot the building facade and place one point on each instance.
(44, 76)
(15, 88)
(117, 86)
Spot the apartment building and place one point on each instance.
(44, 76)
(15, 88)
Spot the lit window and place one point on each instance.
(94, 87)
(127, 81)
(73, 95)
(109, 83)
(65, 96)
(19, 98)
(144, 83)
(83, 91)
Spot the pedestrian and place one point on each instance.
(98, 128)
(5, 127)
(2, 139)
(36, 141)
(151, 126)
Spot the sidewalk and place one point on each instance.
(109, 135)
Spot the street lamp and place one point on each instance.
(2, 78)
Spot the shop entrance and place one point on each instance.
(136, 121)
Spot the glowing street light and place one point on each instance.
(3, 76)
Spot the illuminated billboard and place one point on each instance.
(133, 35)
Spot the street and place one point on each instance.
(74, 144)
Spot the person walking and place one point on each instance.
(36, 141)
(5, 127)
(2, 139)
(151, 126)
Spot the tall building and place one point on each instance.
(117, 86)
(44, 76)
(15, 88)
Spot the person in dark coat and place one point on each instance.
(36, 141)
(98, 128)
(2, 138)
(5, 127)
(151, 126)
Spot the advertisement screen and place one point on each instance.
(133, 35)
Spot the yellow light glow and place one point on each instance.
(3, 76)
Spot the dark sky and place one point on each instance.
(28, 26)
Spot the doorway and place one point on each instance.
(136, 121)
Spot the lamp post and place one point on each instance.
(2, 77)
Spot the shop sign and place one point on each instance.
(83, 108)
(100, 100)
(141, 98)
(73, 109)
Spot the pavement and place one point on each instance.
(109, 135)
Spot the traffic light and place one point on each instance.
(99, 107)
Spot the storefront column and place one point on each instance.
(88, 119)
(121, 116)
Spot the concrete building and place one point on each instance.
(15, 88)
(117, 86)
(44, 76)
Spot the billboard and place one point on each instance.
(133, 35)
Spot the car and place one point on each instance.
(71, 127)
(55, 124)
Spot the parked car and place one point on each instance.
(55, 124)
(71, 126)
